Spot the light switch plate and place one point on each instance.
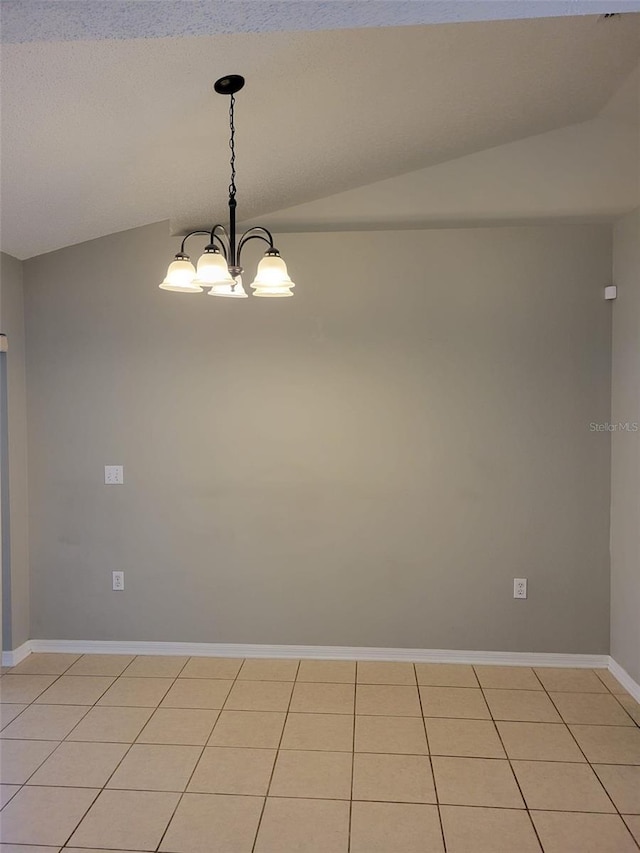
(114, 475)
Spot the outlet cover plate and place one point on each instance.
(519, 587)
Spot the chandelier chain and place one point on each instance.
(232, 146)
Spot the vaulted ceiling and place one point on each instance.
(104, 130)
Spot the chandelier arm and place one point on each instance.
(251, 235)
(186, 237)
(222, 239)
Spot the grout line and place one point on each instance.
(353, 755)
(332, 800)
(195, 766)
(589, 764)
(633, 719)
(477, 678)
(99, 791)
(275, 761)
(513, 773)
(433, 775)
(103, 787)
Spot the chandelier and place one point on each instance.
(219, 266)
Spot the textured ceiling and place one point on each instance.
(100, 136)
(62, 20)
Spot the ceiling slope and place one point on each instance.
(588, 171)
(102, 136)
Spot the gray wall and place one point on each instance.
(368, 463)
(13, 452)
(625, 446)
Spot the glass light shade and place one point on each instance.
(237, 292)
(272, 278)
(180, 277)
(213, 269)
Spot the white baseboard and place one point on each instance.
(625, 679)
(14, 657)
(241, 650)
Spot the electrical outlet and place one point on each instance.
(519, 587)
(114, 475)
(118, 580)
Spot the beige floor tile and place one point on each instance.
(633, 822)
(233, 770)
(264, 669)
(389, 827)
(303, 826)
(100, 665)
(6, 792)
(460, 702)
(563, 680)
(9, 713)
(89, 850)
(323, 698)
(75, 690)
(446, 675)
(387, 700)
(21, 758)
(524, 706)
(560, 786)
(136, 692)
(400, 735)
(182, 726)
(80, 765)
(205, 693)
(111, 725)
(476, 782)
(623, 785)
(332, 732)
(45, 722)
(28, 848)
(213, 823)
(508, 677)
(609, 744)
(338, 671)
(385, 672)
(156, 767)
(631, 707)
(483, 830)
(45, 663)
(256, 729)
(317, 775)
(567, 832)
(596, 709)
(212, 668)
(393, 778)
(133, 820)
(539, 741)
(44, 815)
(23, 688)
(156, 666)
(259, 696)
(465, 738)
(610, 682)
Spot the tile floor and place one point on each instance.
(212, 755)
